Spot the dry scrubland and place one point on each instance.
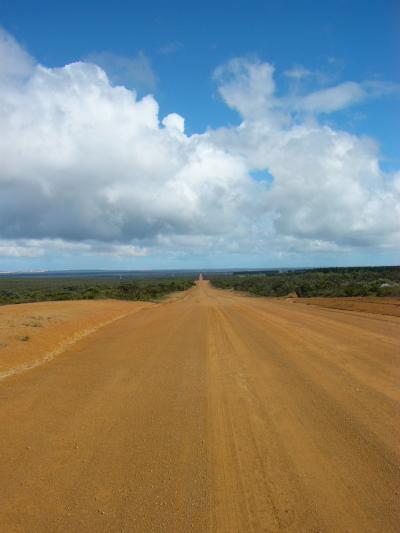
(207, 412)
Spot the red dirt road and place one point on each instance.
(212, 412)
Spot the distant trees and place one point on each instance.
(368, 281)
(21, 290)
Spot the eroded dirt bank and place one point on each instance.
(32, 333)
(367, 304)
(214, 412)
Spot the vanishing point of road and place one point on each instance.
(211, 412)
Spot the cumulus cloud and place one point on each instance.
(328, 185)
(174, 123)
(88, 167)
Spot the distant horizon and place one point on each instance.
(189, 270)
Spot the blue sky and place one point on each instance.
(344, 39)
(173, 50)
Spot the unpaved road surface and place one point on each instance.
(213, 412)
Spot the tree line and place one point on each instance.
(354, 281)
(24, 290)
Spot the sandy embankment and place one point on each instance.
(374, 305)
(33, 333)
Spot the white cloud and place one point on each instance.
(341, 96)
(170, 48)
(174, 123)
(133, 71)
(331, 99)
(327, 74)
(328, 186)
(298, 72)
(247, 86)
(40, 247)
(86, 167)
(15, 62)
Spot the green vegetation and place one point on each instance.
(367, 281)
(23, 290)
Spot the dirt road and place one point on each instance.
(214, 412)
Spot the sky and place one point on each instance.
(199, 135)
